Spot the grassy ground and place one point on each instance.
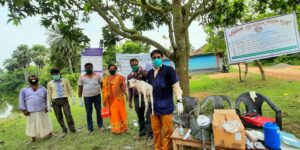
(285, 94)
(13, 135)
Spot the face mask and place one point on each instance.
(135, 68)
(112, 72)
(56, 77)
(89, 71)
(33, 81)
(157, 62)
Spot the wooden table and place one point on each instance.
(178, 140)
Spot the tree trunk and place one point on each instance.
(181, 51)
(262, 72)
(37, 70)
(70, 65)
(25, 73)
(182, 70)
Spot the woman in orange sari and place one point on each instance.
(114, 90)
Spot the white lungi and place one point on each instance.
(38, 124)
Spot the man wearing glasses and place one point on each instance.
(164, 81)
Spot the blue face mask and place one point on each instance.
(157, 62)
(56, 77)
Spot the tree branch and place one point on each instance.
(153, 43)
(151, 7)
(137, 36)
(148, 6)
(178, 25)
(171, 35)
(201, 10)
(121, 22)
(164, 10)
(188, 5)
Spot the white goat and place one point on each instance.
(145, 89)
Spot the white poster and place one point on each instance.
(262, 39)
(94, 56)
(124, 65)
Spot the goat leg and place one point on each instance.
(146, 105)
(140, 101)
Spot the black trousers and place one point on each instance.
(144, 123)
(60, 106)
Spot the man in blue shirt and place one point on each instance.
(164, 81)
(33, 104)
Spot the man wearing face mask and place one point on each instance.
(164, 81)
(144, 123)
(33, 103)
(89, 86)
(59, 89)
(114, 92)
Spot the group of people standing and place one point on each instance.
(35, 101)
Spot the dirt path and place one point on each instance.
(284, 72)
(201, 95)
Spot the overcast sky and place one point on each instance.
(30, 32)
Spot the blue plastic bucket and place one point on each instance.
(271, 134)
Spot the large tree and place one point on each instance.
(10, 64)
(129, 47)
(22, 57)
(63, 50)
(127, 18)
(40, 56)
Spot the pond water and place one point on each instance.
(6, 111)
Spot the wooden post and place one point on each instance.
(240, 73)
(246, 71)
(262, 72)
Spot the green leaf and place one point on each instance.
(87, 7)
(18, 3)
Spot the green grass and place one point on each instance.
(285, 94)
(13, 136)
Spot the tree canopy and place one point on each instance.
(249, 11)
(142, 15)
(64, 51)
(129, 47)
(130, 18)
